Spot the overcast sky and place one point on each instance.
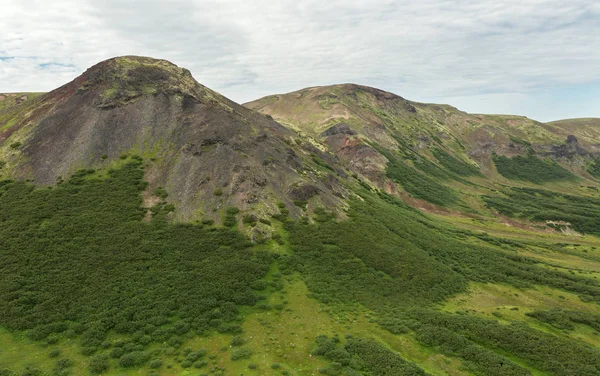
(539, 58)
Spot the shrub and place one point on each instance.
(249, 219)
(15, 145)
(116, 352)
(229, 221)
(64, 363)
(98, 364)
(531, 168)
(88, 350)
(218, 192)
(301, 203)
(455, 165)
(156, 363)
(237, 341)
(419, 185)
(54, 353)
(161, 192)
(241, 353)
(195, 355)
(52, 339)
(134, 359)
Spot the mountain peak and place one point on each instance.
(352, 89)
(119, 80)
(135, 67)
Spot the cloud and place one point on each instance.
(426, 50)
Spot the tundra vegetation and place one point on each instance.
(98, 290)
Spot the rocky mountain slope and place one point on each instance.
(385, 138)
(206, 151)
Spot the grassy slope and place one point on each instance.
(282, 329)
(12, 99)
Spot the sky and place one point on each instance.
(538, 58)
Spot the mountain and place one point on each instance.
(393, 122)
(378, 134)
(206, 151)
(151, 226)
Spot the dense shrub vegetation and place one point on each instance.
(366, 258)
(361, 356)
(565, 319)
(455, 165)
(77, 259)
(418, 184)
(593, 168)
(477, 358)
(557, 355)
(583, 213)
(372, 257)
(531, 168)
(79, 262)
(390, 258)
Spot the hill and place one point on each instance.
(432, 152)
(202, 149)
(151, 226)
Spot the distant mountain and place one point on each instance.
(365, 127)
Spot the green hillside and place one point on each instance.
(364, 234)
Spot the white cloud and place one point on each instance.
(493, 50)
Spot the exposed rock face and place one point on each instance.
(340, 128)
(303, 192)
(194, 140)
(571, 139)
